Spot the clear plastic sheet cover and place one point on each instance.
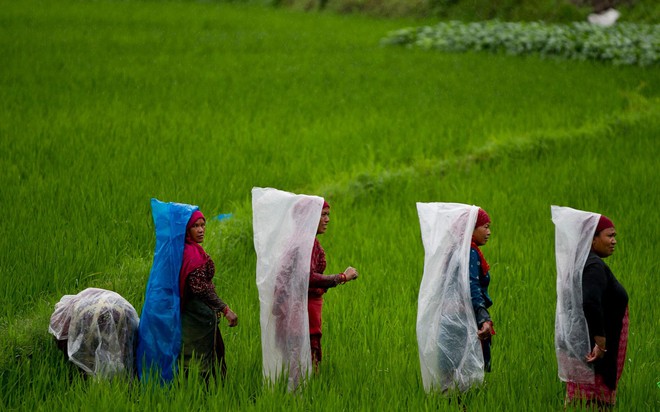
(284, 229)
(100, 327)
(449, 349)
(574, 231)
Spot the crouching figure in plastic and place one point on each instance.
(97, 330)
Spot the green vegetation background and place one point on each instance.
(104, 105)
(647, 11)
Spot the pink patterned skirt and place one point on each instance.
(598, 391)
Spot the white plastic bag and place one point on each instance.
(284, 227)
(449, 349)
(574, 232)
(100, 328)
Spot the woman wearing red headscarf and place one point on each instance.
(319, 284)
(479, 281)
(605, 304)
(200, 305)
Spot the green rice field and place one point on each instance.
(106, 104)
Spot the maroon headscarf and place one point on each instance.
(603, 223)
(482, 219)
(194, 255)
(326, 205)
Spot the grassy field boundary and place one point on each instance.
(369, 183)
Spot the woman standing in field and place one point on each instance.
(479, 281)
(319, 284)
(605, 305)
(290, 290)
(452, 297)
(200, 305)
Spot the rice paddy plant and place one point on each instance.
(107, 104)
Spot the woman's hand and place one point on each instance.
(232, 318)
(486, 331)
(350, 273)
(596, 353)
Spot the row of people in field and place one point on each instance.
(179, 323)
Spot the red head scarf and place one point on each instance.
(194, 255)
(482, 219)
(326, 205)
(604, 223)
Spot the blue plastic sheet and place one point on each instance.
(223, 216)
(159, 337)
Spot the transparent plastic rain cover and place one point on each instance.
(100, 327)
(574, 231)
(449, 349)
(284, 227)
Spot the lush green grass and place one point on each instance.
(106, 104)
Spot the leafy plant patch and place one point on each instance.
(622, 44)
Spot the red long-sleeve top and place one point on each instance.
(318, 282)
